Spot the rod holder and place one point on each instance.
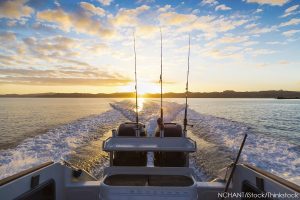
(114, 132)
(162, 133)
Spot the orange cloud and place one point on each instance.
(61, 77)
(79, 22)
(15, 9)
(93, 9)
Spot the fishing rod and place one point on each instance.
(234, 165)
(136, 90)
(161, 91)
(185, 124)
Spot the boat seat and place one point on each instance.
(129, 158)
(170, 159)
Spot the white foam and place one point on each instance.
(55, 144)
(269, 153)
(151, 110)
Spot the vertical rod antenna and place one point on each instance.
(161, 90)
(187, 87)
(136, 90)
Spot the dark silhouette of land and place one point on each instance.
(279, 94)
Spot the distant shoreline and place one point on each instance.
(277, 94)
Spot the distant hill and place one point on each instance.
(280, 94)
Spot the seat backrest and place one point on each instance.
(170, 130)
(125, 130)
(129, 129)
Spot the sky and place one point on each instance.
(87, 46)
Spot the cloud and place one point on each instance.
(209, 2)
(222, 7)
(50, 51)
(290, 33)
(283, 62)
(259, 52)
(56, 2)
(105, 2)
(210, 25)
(250, 43)
(61, 77)
(228, 39)
(11, 23)
(275, 42)
(165, 8)
(64, 81)
(9, 43)
(220, 54)
(93, 9)
(250, 26)
(258, 30)
(52, 46)
(79, 22)
(174, 18)
(6, 37)
(233, 39)
(289, 11)
(145, 1)
(291, 22)
(128, 17)
(258, 10)
(15, 9)
(269, 2)
(292, 8)
(131, 18)
(97, 48)
(5, 60)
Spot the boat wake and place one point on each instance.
(56, 143)
(218, 141)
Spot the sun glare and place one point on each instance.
(140, 104)
(143, 88)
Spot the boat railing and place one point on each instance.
(25, 172)
(277, 179)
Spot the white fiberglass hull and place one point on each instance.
(67, 187)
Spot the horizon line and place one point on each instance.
(145, 94)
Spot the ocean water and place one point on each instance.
(33, 131)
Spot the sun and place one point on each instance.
(143, 88)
